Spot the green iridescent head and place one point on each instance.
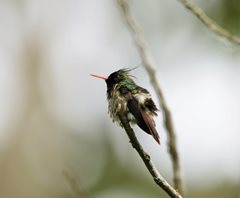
(117, 76)
(120, 77)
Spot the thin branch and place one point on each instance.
(158, 178)
(75, 188)
(149, 66)
(210, 23)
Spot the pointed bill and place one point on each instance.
(97, 76)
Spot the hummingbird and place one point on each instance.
(124, 95)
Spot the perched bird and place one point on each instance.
(125, 96)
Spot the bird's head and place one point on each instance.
(120, 76)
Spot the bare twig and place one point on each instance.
(210, 23)
(75, 188)
(158, 178)
(149, 66)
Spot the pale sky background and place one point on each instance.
(199, 74)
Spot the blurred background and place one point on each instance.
(54, 129)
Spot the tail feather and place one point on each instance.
(151, 125)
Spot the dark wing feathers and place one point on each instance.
(151, 125)
(151, 106)
(144, 118)
(134, 109)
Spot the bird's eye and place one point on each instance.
(116, 78)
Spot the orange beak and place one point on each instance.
(102, 77)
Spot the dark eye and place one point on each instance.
(116, 78)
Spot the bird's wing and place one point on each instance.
(144, 118)
(148, 119)
(148, 102)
